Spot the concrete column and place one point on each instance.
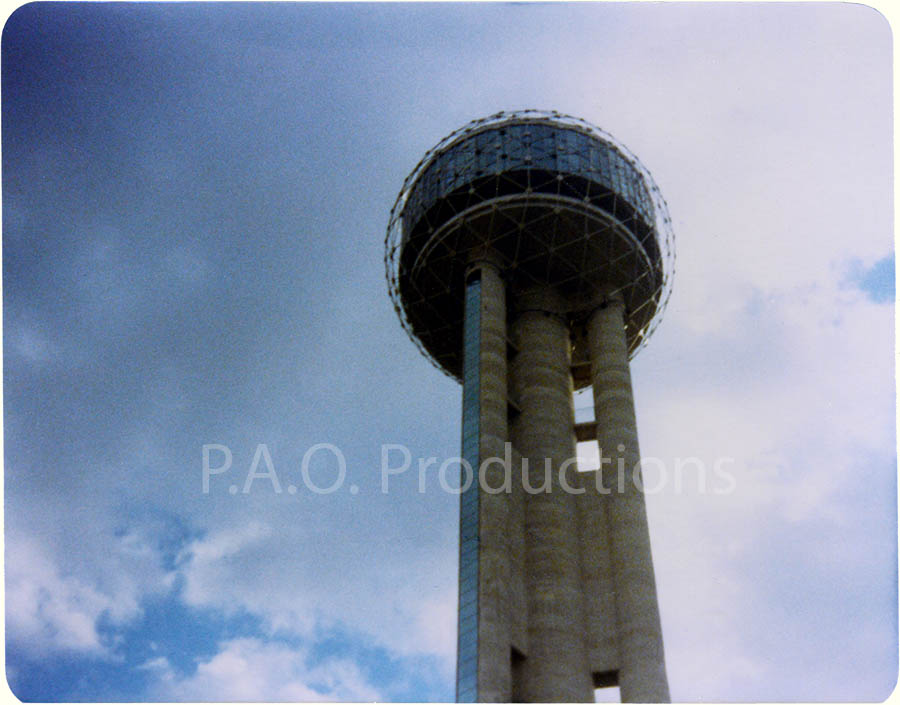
(555, 667)
(596, 576)
(642, 672)
(494, 670)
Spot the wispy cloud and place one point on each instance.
(48, 612)
(252, 670)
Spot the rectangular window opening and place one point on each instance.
(516, 664)
(606, 687)
(607, 695)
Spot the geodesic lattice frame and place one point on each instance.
(520, 178)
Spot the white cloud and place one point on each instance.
(30, 344)
(795, 384)
(253, 568)
(207, 561)
(47, 611)
(252, 670)
(51, 608)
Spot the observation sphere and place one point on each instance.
(555, 200)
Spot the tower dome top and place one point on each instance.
(557, 201)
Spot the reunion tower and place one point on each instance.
(529, 255)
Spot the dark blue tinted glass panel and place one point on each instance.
(467, 647)
(553, 148)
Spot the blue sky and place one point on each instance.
(194, 204)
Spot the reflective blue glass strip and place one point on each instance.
(524, 146)
(467, 640)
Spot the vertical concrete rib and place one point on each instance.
(517, 592)
(642, 673)
(599, 593)
(494, 670)
(555, 668)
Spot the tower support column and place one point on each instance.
(642, 673)
(555, 667)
